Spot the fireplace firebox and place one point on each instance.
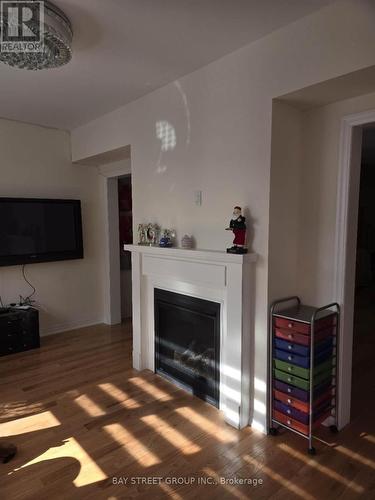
(187, 343)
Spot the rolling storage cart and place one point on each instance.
(303, 366)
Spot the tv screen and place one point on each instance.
(36, 230)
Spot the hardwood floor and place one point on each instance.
(86, 424)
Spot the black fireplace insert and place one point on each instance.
(187, 343)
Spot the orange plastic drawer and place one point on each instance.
(290, 422)
(294, 403)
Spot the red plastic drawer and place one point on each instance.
(298, 338)
(292, 336)
(290, 422)
(304, 328)
(294, 403)
(293, 326)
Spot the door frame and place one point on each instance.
(346, 249)
(112, 269)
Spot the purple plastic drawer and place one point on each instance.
(293, 391)
(291, 412)
(299, 393)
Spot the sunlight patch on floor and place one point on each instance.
(151, 389)
(89, 473)
(220, 433)
(170, 434)
(368, 437)
(169, 491)
(285, 483)
(312, 462)
(132, 445)
(231, 489)
(355, 456)
(89, 406)
(32, 423)
(120, 396)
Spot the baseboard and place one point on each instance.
(70, 325)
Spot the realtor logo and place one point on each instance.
(21, 26)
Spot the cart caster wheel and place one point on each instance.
(333, 429)
(273, 431)
(311, 451)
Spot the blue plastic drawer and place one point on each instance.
(303, 361)
(289, 357)
(301, 350)
(292, 412)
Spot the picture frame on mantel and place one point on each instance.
(148, 234)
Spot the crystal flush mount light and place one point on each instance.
(34, 35)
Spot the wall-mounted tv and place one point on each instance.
(39, 230)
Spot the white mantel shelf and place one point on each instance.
(221, 277)
(207, 255)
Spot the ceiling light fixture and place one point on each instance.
(34, 35)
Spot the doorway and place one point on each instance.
(363, 369)
(125, 207)
(350, 275)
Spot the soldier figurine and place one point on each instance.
(238, 226)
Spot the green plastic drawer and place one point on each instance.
(291, 379)
(300, 382)
(292, 369)
(303, 372)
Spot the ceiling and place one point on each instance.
(124, 49)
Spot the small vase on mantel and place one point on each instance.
(187, 242)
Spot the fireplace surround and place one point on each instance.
(213, 276)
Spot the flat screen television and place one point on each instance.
(39, 230)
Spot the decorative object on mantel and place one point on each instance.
(167, 238)
(187, 242)
(238, 226)
(148, 234)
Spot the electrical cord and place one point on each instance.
(27, 300)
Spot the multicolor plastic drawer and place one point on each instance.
(302, 350)
(290, 422)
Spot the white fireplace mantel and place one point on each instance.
(210, 275)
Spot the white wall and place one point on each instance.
(319, 172)
(35, 162)
(222, 118)
(285, 199)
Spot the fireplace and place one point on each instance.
(187, 343)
